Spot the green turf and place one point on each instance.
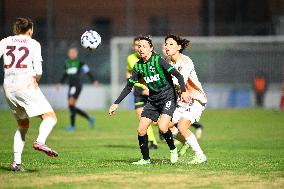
(245, 149)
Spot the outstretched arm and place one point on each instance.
(127, 89)
(86, 70)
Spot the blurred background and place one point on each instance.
(235, 43)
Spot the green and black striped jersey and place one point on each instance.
(157, 75)
(155, 72)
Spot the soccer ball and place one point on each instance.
(91, 40)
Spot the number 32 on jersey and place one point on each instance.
(12, 50)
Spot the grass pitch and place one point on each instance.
(245, 149)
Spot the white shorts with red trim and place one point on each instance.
(28, 103)
(191, 111)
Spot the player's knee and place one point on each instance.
(163, 129)
(24, 123)
(50, 116)
(72, 109)
(141, 131)
(181, 128)
(54, 119)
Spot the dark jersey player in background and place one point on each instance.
(73, 70)
(162, 97)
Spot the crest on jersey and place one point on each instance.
(152, 69)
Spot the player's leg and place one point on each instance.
(183, 127)
(199, 129)
(19, 143)
(76, 110)
(176, 134)
(258, 99)
(152, 140)
(71, 105)
(149, 114)
(192, 114)
(143, 141)
(167, 134)
(72, 109)
(23, 125)
(140, 100)
(281, 105)
(151, 137)
(48, 122)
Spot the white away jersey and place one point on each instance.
(193, 87)
(22, 61)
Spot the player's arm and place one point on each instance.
(127, 89)
(37, 62)
(85, 69)
(62, 80)
(169, 68)
(63, 77)
(1, 48)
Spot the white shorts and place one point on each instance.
(191, 111)
(28, 103)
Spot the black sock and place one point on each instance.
(169, 139)
(143, 144)
(72, 115)
(196, 125)
(82, 113)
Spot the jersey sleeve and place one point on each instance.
(37, 59)
(134, 76)
(85, 69)
(169, 68)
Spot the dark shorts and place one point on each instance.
(74, 91)
(140, 100)
(153, 109)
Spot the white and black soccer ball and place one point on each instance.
(91, 40)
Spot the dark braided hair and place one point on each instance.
(184, 43)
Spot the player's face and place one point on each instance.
(73, 53)
(164, 51)
(136, 46)
(171, 47)
(144, 48)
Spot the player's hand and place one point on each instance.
(145, 92)
(58, 86)
(112, 109)
(96, 83)
(185, 97)
(35, 83)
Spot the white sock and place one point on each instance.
(45, 128)
(19, 143)
(192, 142)
(175, 132)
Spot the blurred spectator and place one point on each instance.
(260, 87)
(281, 105)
